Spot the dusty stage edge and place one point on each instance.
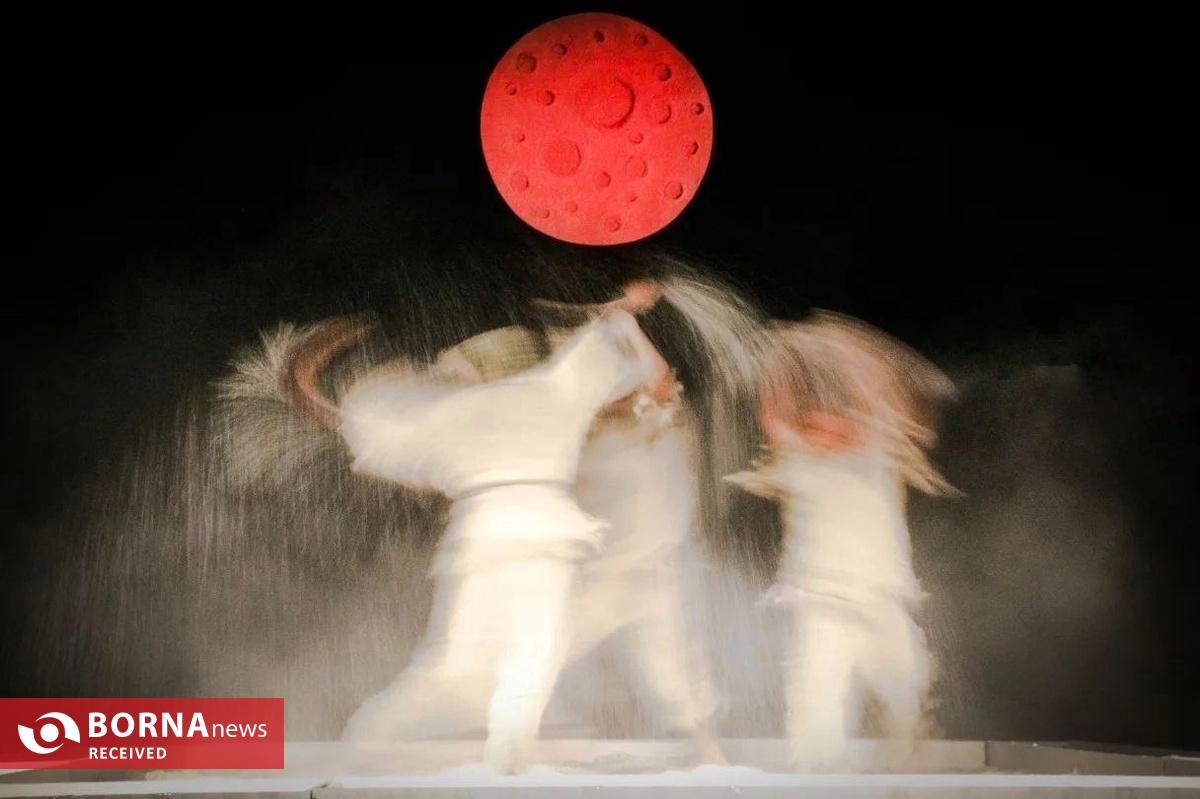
(629, 768)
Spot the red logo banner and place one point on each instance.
(141, 733)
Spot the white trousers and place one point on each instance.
(498, 631)
(634, 594)
(840, 655)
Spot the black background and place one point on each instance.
(994, 190)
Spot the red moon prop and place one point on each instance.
(596, 130)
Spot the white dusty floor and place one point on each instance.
(654, 768)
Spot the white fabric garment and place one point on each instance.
(638, 474)
(418, 430)
(506, 452)
(846, 532)
(847, 584)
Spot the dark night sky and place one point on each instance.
(1002, 199)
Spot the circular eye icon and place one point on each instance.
(48, 733)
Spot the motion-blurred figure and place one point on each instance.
(848, 414)
(506, 453)
(638, 474)
(661, 605)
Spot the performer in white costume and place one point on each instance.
(638, 475)
(847, 413)
(506, 453)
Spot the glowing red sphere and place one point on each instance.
(596, 130)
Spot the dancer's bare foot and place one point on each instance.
(708, 749)
(504, 754)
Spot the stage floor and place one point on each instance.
(638, 768)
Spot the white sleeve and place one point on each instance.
(386, 424)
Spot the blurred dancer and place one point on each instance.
(650, 471)
(506, 453)
(848, 416)
(638, 474)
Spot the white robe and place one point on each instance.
(847, 584)
(638, 474)
(506, 453)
